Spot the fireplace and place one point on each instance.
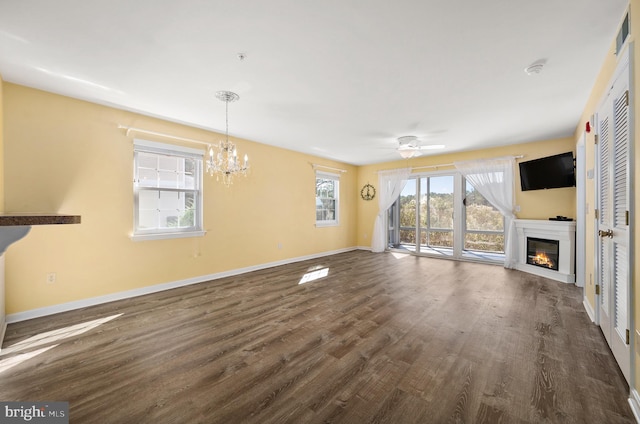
(546, 248)
(543, 252)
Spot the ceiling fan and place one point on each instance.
(410, 146)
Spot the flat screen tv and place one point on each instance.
(550, 172)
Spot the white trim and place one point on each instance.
(69, 306)
(634, 402)
(155, 146)
(328, 175)
(446, 165)
(320, 224)
(159, 134)
(317, 165)
(581, 213)
(3, 331)
(631, 174)
(589, 309)
(367, 248)
(163, 236)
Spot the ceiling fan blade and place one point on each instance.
(431, 146)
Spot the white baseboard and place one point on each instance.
(589, 309)
(634, 402)
(364, 248)
(3, 331)
(69, 306)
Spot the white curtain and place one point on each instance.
(390, 185)
(493, 178)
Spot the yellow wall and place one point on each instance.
(68, 156)
(538, 204)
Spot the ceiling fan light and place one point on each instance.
(432, 146)
(408, 153)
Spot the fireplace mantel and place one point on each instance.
(562, 231)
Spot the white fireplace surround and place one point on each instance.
(562, 231)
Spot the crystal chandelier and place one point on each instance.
(223, 159)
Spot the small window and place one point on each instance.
(623, 34)
(327, 198)
(167, 189)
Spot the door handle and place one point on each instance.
(608, 233)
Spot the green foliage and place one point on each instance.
(484, 242)
(187, 218)
(481, 216)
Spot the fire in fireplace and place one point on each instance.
(543, 253)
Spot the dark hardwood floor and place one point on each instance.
(381, 339)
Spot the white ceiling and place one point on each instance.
(340, 79)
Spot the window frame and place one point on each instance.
(162, 149)
(323, 175)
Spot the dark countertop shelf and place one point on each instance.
(19, 219)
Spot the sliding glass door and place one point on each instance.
(408, 215)
(483, 225)
(442, 214)
(422, 217)
(437, 211)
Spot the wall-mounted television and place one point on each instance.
(549, 172)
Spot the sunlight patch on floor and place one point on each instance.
(46, 338)
(313, 274)
(56, 335)
(7, 363)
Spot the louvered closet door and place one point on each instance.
(613, 216)
(604, 219)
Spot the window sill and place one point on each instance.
(327, 224)
(163, 236)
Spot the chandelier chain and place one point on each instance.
(226, 113)
(224, 163)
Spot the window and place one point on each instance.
(327, 198)
(167, 189)
(623, 34)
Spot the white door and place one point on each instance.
(581, 213)
(613, 218)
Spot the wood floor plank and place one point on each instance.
(384, 338)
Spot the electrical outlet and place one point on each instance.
(279, 245)
(51, 278)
